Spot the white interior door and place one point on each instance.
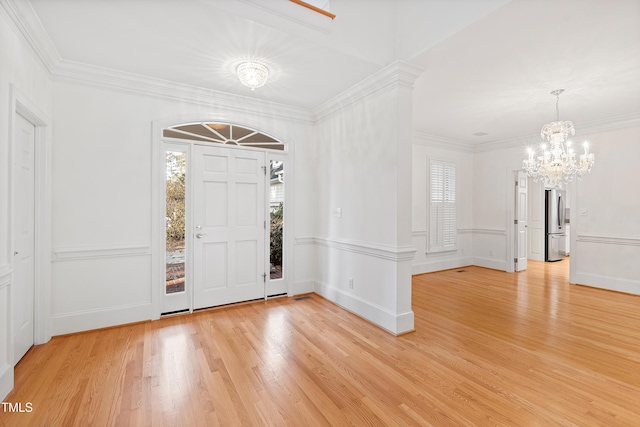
(521, 221)
(229, 225)
(535, 220)
(24, 231)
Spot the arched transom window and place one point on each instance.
(223, 133)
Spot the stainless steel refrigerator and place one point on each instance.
(555, 225)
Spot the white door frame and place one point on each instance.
(21, 105)
(158, 203)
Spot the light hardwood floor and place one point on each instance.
(490, 348)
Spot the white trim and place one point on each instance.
(67, 323)
(390, 253)
(604, 125)
(302, 287)
(305, 240)
(144, 85)
(396, 323)
(609, 124)
(608, 239)
(611, 283)
(495, 264)
(489, 231)
(435, 141)
(389, 77)
(22, 15)
(74, 253)
(441, 264)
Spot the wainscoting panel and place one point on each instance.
(363, 278)
(424, 262)
(99, 287)
(608, 262)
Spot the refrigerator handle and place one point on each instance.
(560, 212)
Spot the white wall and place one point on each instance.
(493, 204)
(102, 212)
(363, 170)
(605, 214)
(424, 148)
(19, 67)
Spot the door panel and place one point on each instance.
(24, 229)
(229, 218)
(521, 221)
(536, 220)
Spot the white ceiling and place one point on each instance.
(489, 64)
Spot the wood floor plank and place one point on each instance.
(490, 348)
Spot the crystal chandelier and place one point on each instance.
(557, 161)
(252, 74)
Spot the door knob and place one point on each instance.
(199, 235)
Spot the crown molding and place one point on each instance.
(25, 20)
(27, 24)
(394, 75)
(434, 141)
(584, 128)
(609, 124)
(75, 72)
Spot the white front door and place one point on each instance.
(229, 225)
(521, 221)
(24, 231)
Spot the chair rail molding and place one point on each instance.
(74, 253)
(608, 239)
(386, 252)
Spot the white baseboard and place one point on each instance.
(396, 323)
(438, 265)
(495, 264)
(95, 319)
(6, 381)
(302, 287)
(611, 283)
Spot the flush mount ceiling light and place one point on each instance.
(557, 163)
(252, 74)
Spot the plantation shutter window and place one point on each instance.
(442, 206)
